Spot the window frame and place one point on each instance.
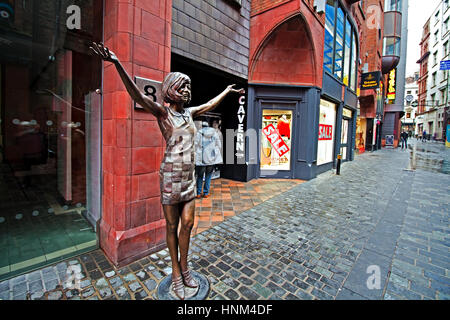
(347, 17)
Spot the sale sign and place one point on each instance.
(325, 132)
(275, 140)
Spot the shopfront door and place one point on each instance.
(346, 135)
(277, 141)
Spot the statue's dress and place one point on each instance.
(176, 173)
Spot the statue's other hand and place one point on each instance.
(104, 53)
(231, 88)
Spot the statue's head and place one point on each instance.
(173, 83)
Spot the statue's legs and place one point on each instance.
(173, 214)
(187, 223)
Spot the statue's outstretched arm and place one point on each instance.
(107, 55)
(213, 103)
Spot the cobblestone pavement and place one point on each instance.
(229, 198)
(380, 230)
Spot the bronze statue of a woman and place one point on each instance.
(177, 181)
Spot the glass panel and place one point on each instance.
(344, 153)
(49, 110)
(348, 42)
(329, 36)
(327, 123)
(393, 5)
(354, 64)
(276, 140)
(339, 43)
(391, 46)
(344, 131)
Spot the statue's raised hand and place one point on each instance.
(104, 52)
(231, 89)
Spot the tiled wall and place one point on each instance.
(213, 32)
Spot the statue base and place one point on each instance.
(164, 291)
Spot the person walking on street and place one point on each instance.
(404, 139)
(208, 154)
(424, 135)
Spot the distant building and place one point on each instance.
(394, 68)
(433, 82)
(410, 107)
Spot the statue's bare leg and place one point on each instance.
(187, 222)
(172, 215)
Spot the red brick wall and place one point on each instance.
(288, 56)
(132, 222)
(267, 27)
(423, 76)
(259, 6)
(371, 48)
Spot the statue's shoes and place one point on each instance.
(178, 287)
(188, 280)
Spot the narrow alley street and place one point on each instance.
(380, 230)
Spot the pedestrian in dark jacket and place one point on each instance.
(208, 154)
(404, 139)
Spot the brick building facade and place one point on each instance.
(371, 35)
(274, 49)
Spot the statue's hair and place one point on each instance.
(172, 82)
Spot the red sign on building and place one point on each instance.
(275, 140)
(325, 132)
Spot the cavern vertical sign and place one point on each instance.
(240, 136)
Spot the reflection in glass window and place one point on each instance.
(391, 46)
(50, 132)
(329, 36)
(338, 57)
(393, 5)
(348, 41)
(339, 43)
(354, 64)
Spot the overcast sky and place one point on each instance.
(418, 13)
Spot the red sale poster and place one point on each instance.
(325, 132)
(276, 140)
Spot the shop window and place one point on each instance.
(327, 126)
(391, 46)
(360, 133)
(340, 49)
(339, 44)
(276, 139)
(354, 64)
(330, 17)
(348, 42)
(51, 130)
(393, 5)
